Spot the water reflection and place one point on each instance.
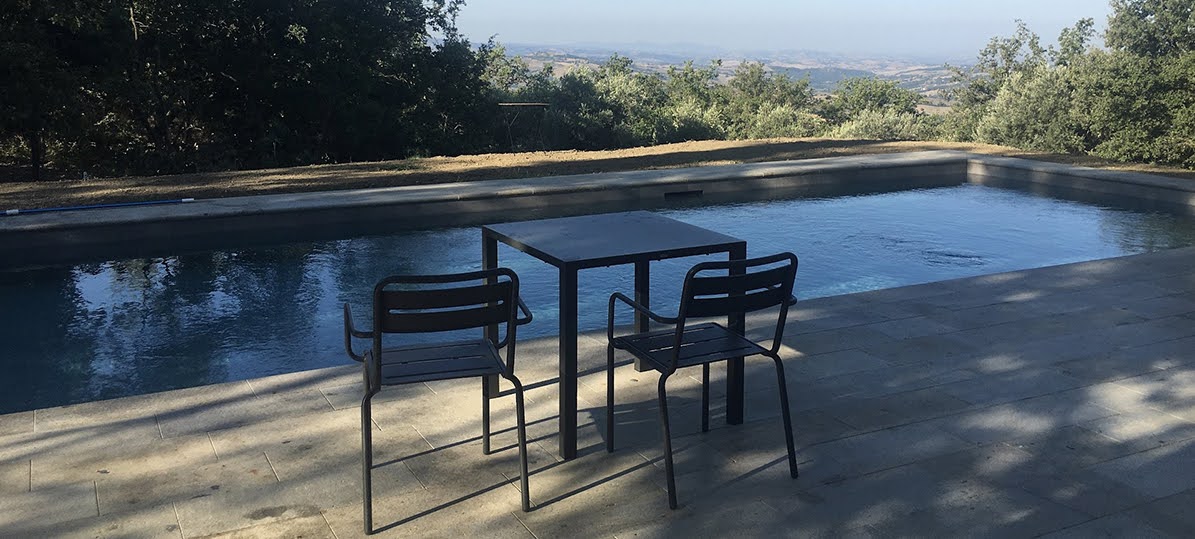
(116, 328)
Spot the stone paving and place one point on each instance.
(1058, 401)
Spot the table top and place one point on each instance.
(606, 239)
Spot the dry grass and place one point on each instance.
(486, 167)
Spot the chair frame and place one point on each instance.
(387, 303)
(733, 299)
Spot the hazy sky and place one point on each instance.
(935, 28)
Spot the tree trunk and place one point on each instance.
(37, 149)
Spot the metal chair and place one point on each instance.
(742, 286)
(430, 303)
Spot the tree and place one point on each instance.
(1152, 27)
(858, 94)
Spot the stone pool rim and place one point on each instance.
(70, 236)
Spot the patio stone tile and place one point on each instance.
(1023, 419)
(110, 440)
(1074, 446)
(1010, 386)
(907, 328)
(893, 447)
(26, 512)
(230, 510)
(1169, 390)
(1143, 430)
(1110, 365)
(833, 340)
(465, 468)
(973, 508)
(159, 521)
(284, 400)
(641, 387)
(1161, 307)
(921, 349)
(897, 409)
(1180, 282)
(817, 366)
(1171, 515)
(312, 527)
(1158, 472)
(435, 514)
(997, 464)
(1118, 525)
(605, 507)
(797, 325)
(221, 407)
(898, 379)
(14, 477)
(1048, 327)
(875, 499)
(1084, 490)
(348, 373)
(133, 491)
(16, 423)
(92, 414)
(64, 466)
(748, 519)
(325, 461)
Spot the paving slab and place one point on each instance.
(1041, 401)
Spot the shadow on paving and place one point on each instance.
(1054, 401)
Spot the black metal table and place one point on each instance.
(590, 241)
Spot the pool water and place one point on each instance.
(116, 328)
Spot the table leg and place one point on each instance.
(643, 296)
(568, 363)
(734, 367)
(489, 260)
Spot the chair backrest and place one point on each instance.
(739, 286)
(449, 302)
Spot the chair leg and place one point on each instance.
(609, 398)
(705, 397)
(367, 461)
(521, 419)
(667, 443)
(787, 415)
(485, 418)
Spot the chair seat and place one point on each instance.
(439, 361)
(701, 343)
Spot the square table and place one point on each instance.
(590, 241)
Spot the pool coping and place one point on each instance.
(63, 236)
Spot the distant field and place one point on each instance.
(484, 167)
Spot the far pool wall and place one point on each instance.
(106, 234)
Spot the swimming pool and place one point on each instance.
(107, 329)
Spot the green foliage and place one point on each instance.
(1152, 28)
(888, 124)
(868, 94)
(1033, 110)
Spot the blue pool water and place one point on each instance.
(115, 328)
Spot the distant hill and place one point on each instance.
(824, 69)
(822, 79)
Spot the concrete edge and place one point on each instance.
(28, 240)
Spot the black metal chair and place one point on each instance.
(414, 304)
(742, 286)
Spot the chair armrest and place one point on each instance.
(638, 307)
(527, 316)
(792, 300)
(350, 332)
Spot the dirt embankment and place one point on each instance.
(484, 167)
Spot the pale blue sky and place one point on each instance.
(946, 28)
